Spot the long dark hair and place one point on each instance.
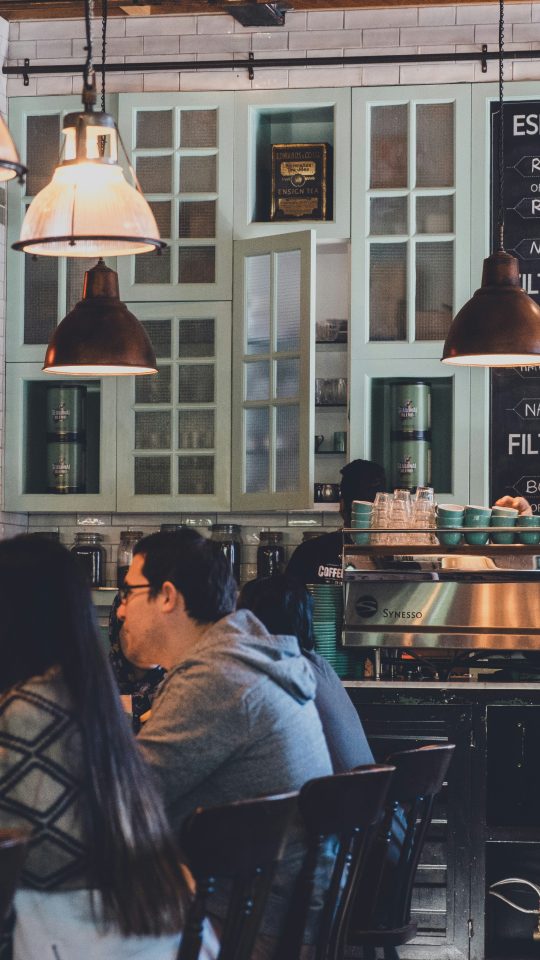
(48, 620)
(282, 604)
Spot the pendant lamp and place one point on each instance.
(10, 164)
(100, 336)
(500, 325)
(89, 209)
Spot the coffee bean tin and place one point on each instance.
(66, 411)
(66, 467)
(411, 407)
(411, 464)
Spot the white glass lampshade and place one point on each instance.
(10, 164)
(89, 209)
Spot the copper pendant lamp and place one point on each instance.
(100, 336)
(10, 164)
(500, 325)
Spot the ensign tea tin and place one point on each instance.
(66, 438)
(411, 434)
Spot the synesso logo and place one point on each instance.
(366, 606)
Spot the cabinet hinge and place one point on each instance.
(470, 928)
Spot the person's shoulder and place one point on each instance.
(35, 702)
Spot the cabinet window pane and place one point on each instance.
(258, 304)
(388, 291)
(153, 475)
(287, 442)
(196, 383)
(389, 138)
(388, 215)
(42, 141)
(434, 290)
(287, 379)
(155, 388)
(195, 475)
(196, 429)
(162, 212)
(197, 265)
(198, 174)
(154, 128)
(435, 145)
(435, 215)
(196, 338)
(159, 332)
(197, 219)
(257, 427)
(258, 380)
(40, 298)
(153, 268)
(76, 268)
(288, 300)
(155, 174)
(153, 430)
(198, 128)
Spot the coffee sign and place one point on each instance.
(515, 392)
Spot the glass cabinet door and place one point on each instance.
(410, 182)
(272, 375)
(174, 427)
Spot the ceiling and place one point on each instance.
(49, 9)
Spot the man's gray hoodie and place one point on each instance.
(236, 719)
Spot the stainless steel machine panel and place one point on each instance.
(471, 612)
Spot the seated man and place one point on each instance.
(235, 716)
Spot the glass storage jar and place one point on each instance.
(270, 553)
(229, 538)
(128, 539)
(91, 555)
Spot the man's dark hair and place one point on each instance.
(197, 568)
(282, 604)
(360, 480)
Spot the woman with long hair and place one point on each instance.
(101, 877)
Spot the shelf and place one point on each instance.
(401, 549)
(330, 453)
(330, 406)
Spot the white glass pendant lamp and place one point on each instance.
(10, 164)
(89, 209)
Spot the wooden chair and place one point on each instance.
(380, 915)
(13, 845)
(238, 844)
(341, 813)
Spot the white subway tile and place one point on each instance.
(535, 11)
(404, 17)
(270, 80)
(295, 20)
(380, 75)
(327, 76)
(437, 73)
(526, 33)
(526, 70)
(162, 44)
(232, 43)
(431, 16)
(518, 12)
(438, 35)
(215, 24)
(119, 47)
(16, 87)
(125, 82)
(51, 29)
(325, 40)
(387, 37)
(53, 48)
(479, 13)
(489, 33)
(14, 30)
(164, 81)
(48, 86)
(18, 49)
(325, 20)
(212, 56)
(215, 80)
(160, 26)
(269, 41)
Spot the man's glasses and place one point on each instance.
(127, 588)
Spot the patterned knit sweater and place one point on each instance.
(41, 781)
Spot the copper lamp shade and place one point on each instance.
(500, 325)
(100, 336)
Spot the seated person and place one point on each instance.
(141, 685)
(101, 877)
(285, 607)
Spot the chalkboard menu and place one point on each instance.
(515, 392)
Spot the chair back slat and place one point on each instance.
(381, 910)
(233, 847)
(13, 844)
(340, 812)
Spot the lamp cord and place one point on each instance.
(104, 13)
(89, 78)
(500, 217)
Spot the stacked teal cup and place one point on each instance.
(476, 517)
(361, 514)
(528, 529)
(449, 522)
(503, 517)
